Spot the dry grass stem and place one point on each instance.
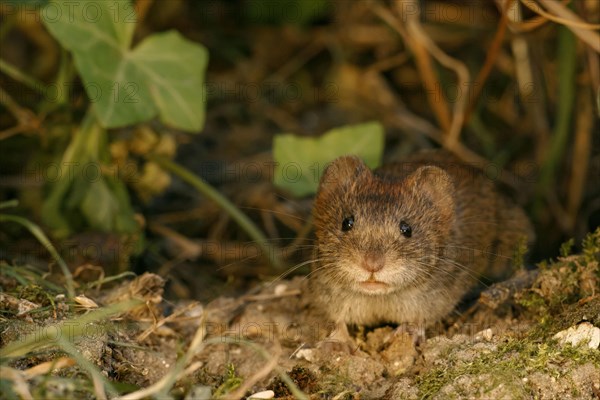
(568, 18)
(490, 60)
(19, 383)
(433, 89)
(259, 375)
(562, 15)
(584, 126)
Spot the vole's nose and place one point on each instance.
(373, 261)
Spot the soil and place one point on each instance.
(502, 349)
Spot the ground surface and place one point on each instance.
(501, 346)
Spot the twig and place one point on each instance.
(26, 119)
(433, 88)
(389, 63)
(301, 58)
(43, 239)
(260, 374)
(242, 219)
(415, 30)
(20, 76)
(569, 19)
(527, 84)
(581, 152)
(452, 135)
(160, 388)
(562, 16)
(19, 384)
(490, 59)
(142, 336)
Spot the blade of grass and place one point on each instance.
(270, 252)
(9, 204)
(566, 55)
(296, 392)
(27, 275)
(99, 381)
(162, 388)
(69, 328)
(43, 239)
(20, 76)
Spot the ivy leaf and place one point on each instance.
(163, 76)
(299, 162)
(80, 198)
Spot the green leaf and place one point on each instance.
(301, 161)
(82, 199)
(162, 76)
(175, 70)
(99, 206)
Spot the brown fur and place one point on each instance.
(463, 230)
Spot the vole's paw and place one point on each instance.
(338, 341)
(333, 345)
(416, 333)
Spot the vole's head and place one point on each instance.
(379, 235)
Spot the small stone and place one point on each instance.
(487, 334)
(280, 289)
(584, 333)
(266, 394)
(307, 354)
(200, 393)
(25, 306)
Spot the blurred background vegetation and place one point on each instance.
(510, 86)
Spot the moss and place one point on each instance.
(516, 358)
(564, 293)
(566, 247)
(334, 383)
(230, 382)
(565, 281)
(520, 253)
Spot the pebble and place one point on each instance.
(266, 394)
(486, 334)
(280, 289)
(307, 354)
(584, 333)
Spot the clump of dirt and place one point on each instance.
(301, 376)
(506, 348)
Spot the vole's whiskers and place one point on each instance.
(292, 269)
(461, 267)
(480, 250)
(323, 266)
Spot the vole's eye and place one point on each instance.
(405, 229)
(348, 223)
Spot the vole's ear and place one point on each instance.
(341, 171)
(436, 186)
